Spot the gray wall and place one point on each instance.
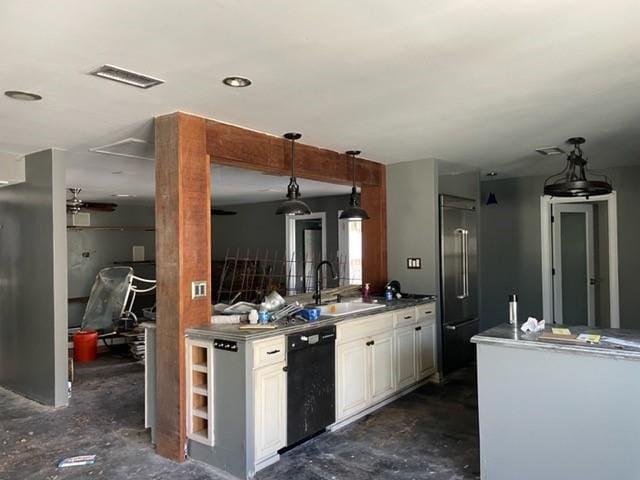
(461, 185)
(33, 276)
(511, 254)
(412, 224)
(257, 226)
(91, 250)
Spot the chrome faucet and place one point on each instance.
(317, 296)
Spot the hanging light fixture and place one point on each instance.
(572, 181)
(293, 206)
(354, 212)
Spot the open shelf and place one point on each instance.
(199, 367)
(200, 391)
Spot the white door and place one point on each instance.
(270, 407)
(382, 374)
(352, 377)
(426, 347)
(573, 264)
(406, 356)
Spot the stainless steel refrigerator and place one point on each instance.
(458, 280)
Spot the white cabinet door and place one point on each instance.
(426, 346)
(382, 366)
(406, 358)
(352, 377)
(270, 407)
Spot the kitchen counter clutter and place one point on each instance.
(251, 394)
(233, 332)
(614, 342)
(548, 406)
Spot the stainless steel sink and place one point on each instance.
(347, 308)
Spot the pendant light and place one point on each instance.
(572, 181)
(354, 212)
(293, 206)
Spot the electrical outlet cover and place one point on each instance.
(198, 289)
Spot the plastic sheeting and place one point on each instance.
(107, 299)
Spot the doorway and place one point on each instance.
(580, 260)
(573, 264)
(306, 246)
(350, 251)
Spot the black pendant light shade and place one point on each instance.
(293, 206)
(573, 181)
(354, 212)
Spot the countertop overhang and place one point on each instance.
(232, 332)
(506, 335)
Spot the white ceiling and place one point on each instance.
(102, 177)
(475, 84)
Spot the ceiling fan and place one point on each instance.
(221, 212)
(75, 205)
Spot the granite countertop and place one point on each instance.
(507, 336)
(232, 332)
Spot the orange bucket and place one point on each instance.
(85, 346)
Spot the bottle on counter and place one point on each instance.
(513, 309)
(388, 293)
(366, 293)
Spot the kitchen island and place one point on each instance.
(551, 410)
(238, 380)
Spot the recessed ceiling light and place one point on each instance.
(122, 195)
(550, 151)
(492, 174)
(236, 82)
(20, 95)
(4, 182)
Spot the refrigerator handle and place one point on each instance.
(464, 261)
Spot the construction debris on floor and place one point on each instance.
(429, 434)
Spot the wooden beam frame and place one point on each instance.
(185, 147)
(242, 148)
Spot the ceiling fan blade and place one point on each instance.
(219, 211)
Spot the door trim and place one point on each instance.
(546, 252)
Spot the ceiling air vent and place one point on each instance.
(123, 75)
(550, 151)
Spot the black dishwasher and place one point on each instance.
(310, 382)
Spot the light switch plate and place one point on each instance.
(138, 253)
(198, 289)
(414, 263)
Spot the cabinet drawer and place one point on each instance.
(405, 317)
(268, 351)
(355, 329)
(426, 312)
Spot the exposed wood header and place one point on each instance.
(235, 146)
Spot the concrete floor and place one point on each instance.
(429, 434)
